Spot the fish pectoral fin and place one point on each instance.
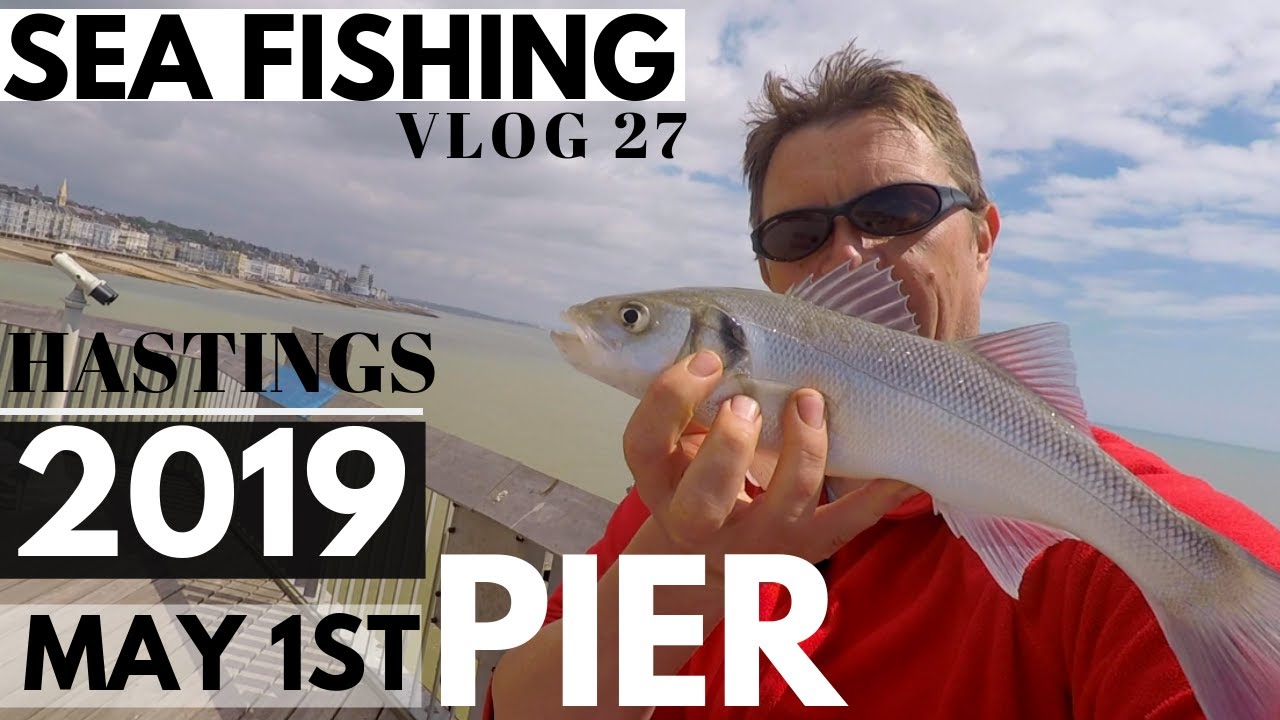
(1005, 545)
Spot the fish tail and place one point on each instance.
(1229, 648)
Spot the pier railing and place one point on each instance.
(478, 501)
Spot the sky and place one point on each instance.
(1133, 151)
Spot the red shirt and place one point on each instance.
(917, 628)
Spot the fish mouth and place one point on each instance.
(579, 342)
(567, 341)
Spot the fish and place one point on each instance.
(993, 427)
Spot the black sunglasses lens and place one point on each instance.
(795, 237)
(896, 210)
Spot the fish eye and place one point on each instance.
(634, 316)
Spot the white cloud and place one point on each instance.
(1121, 299)
(1002, 314)
(1004, 280)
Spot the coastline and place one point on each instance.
(35, 250)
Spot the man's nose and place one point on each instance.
(845, 247)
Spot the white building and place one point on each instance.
(34, 217)
(279, 273)
(10, 213)
(24, 212)
(133, 241)
(162, 247)
(251, 268)
(87, 230)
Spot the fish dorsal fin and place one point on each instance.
(1039, 357)
(1005, 545)
(866, 292)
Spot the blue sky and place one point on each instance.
(1133, 150)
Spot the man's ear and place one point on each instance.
(988, 229)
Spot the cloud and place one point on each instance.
(1001, 314)
(1116, 298)
(1006, 280)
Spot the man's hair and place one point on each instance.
(844, 83)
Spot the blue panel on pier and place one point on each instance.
(288, 390)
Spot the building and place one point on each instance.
(162, 247)
(252, 268)
(27, 213)
(277, 273)
(90, 229)
(132, 241)
(190, 252)
(10, 212)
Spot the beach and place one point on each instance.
(102, 262)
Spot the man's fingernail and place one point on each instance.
(704, 363)
(745, 407)
(809, 405)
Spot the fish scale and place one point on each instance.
(992, 428)
(878, 367)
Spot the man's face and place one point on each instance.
(943, 268)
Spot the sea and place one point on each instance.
(503, 386)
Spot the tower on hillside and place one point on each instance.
(62, 193)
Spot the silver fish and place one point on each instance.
(992, 427)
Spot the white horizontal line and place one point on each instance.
(236, 412)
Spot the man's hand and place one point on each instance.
(695, 492)
(697, 504)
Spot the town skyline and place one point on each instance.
(27, 212)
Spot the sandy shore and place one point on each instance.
(38, 251)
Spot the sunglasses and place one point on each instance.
(888, 211)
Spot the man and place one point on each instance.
(916, 626)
